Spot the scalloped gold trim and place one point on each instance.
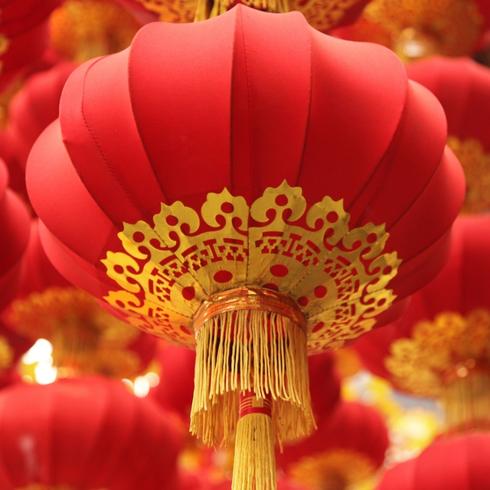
(337, 276)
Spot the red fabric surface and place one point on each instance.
(353, 427)
(14, 229)
(450, 463)
(461, 287)
(196, 107)
(463, 88)
(86, 433)
(174, 392)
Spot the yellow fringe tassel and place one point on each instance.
(258, 351)
(211, 8)
(254, 465)
(466, 401)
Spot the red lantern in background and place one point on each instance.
(86, 338)
(30, 111)
(85, 433)
(12, 347)
(348, 447)
(440, 346)
(457, 462)
(275, 234)
(23, 35)
(14, 229)
(422, 28)
(463, 88)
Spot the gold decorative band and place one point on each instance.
(248, 298)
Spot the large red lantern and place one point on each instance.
(223, 205)
(14, 229)
(85, 433)
(348, 447)
(463, 88)
(457, 462)
(424, 27)
(86, 339)
(440, 347)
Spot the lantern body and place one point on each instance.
(463, 88)
(85, 433)
(263, 227)
(348, 447)
(14, 227)
(441, 466)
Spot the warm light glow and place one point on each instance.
(141, 385)
(37, 363)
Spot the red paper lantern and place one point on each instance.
(86, 338)
(463, 88)
(251, 164)
(348, 447)
(14, 228)
(458, 462)
(439, 347)
(23, 35)
(85, 433)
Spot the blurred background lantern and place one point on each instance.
(14, 229)
(450, 462)
(348, 447)
(23, 36)
(30, 111)
(463, 88)
(417, 29)
(85, 433)
(440, 347)
(86, 339)
(296, 269)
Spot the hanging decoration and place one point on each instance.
(86, 339)
(241, 220)
(463, 88)
(450, 462)
(85, 433)
(440, 347)
(348, 447)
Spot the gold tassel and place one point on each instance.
(254, 465)
(211, 8)
(251, 341)
(466, 400)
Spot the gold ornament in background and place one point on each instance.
(211, 8)
(172, 10)
(84, 29)
(439, 351)
(337, 276)
(420, 28)
(476, 164)
(333, 470)
(6, 354)
(85, 338)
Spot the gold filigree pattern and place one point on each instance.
(323, 15)
(84, 29)
(172, 10)
(332, 470)
(6, 354)
(85, 337)
(476, 164)
(438, 350)
(338, 276)
(418, 28)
